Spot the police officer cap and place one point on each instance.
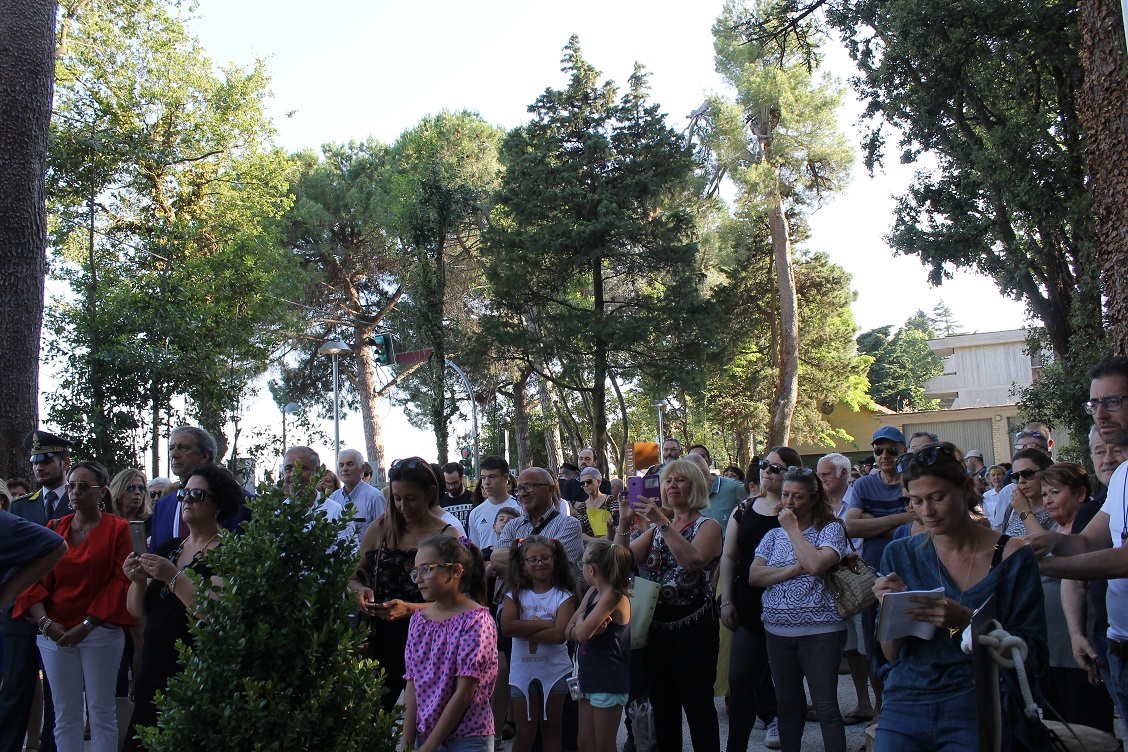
(41, 445)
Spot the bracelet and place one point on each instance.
(625, 535)
(664, 527)
(39, 624)
(172, 583)
(46, 626)
(726, 603)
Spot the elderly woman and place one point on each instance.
(329, 483)
(599, 512)
(680, 550)
(163, 597)
(383, 583)
(80, 611)
(929, 679)
(805, 635)
(1065, 488)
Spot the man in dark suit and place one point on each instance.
(50, 459)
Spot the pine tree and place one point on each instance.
(275, 664)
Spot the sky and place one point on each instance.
(349, 69)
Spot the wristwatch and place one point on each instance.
(87, 624)
(1022, 516)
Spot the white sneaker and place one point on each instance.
(771, 737)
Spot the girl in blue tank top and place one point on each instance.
(602, 628)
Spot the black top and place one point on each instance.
(605, 659)
(752, 527)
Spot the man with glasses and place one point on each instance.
(876, 509)
(1099, 552)
(50, 460)
(540, 500)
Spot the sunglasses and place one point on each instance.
(154, 495)
(799, 472)
(1024, 474)
(132, 487)
(773, 469)
(891, 451)
(194, 495)
(409, 464)
(1035, 434)
(76, 486)
(924, 457)
(418, 574)
(586, 482)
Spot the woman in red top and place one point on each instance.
(80, 611)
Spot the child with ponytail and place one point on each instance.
(602, 627)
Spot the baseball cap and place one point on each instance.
(889, 433)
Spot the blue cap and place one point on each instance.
(890, 433)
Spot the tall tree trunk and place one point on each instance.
(437, 368)
(154, 401)
(599, 372)
(787, 387)
(369, 398)
(27, 80)
(553, 446)
(621, 451)
(1104, 112)
(521, 419)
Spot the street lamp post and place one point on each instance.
(335, 348)
(291, 407)
(661, 404)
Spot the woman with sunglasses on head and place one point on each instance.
(383, 582)
(680, 548)
(929, 700)
(804, 633)
(599, 512)
(80, 611)
(751, 691)
(163, 596)
(1026, 515)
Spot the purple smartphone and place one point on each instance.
(647, 485)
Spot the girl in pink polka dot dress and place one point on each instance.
(451, 656)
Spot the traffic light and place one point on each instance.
(383, 352)
(467, 463)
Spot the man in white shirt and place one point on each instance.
(369, 501)
(494, 476)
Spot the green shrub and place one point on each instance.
(276, 665)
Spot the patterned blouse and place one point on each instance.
(801, 605)
(438, 652)
(679, 586)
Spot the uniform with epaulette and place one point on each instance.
(21, 656)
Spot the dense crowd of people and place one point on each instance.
(556, 604)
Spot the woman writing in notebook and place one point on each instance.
(929, 700)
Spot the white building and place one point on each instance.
(982, 370)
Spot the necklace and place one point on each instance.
(953, 631)
(196, 557)
(82, 531)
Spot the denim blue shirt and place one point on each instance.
(930, 671)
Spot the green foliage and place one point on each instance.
(591, 253)
(275, 664)
(180, 277)
(902, 364)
